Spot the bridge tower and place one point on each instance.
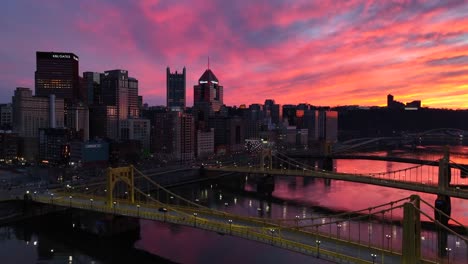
(444, 171)
(411, 231)
(121, 174)
(266, 159)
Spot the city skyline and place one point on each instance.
(318, 53)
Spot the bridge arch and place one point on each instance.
(116, 175)
(448, 131)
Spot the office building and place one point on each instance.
(8, 145)
(289, 114)
(205, 143)
(207, 96)
(136, 129)
(54, 145)
(92, 87)
(57, 73)
(173, 134)
(78, 120)
(30, 113)
(94, 153)
(6, 116)
(103, 122)
(310, 122)
(175, 89)
(328, 126)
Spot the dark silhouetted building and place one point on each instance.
(328, 126)
(57, 73)
(103, 122)
(120, 91)
(6, 116)
(289, 114)
(392, 104)
(207, 96)
(54, 145)
(8, 145)
(173, 134)
(92, 87)
(175, 87)
(272, 111)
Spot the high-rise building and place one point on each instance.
(175, 89)
(173, 134)
(30, 113)
(289, 114)
(133, 102)
(103, 122)
(328, 126)
(310, 122)
(207, 96)
(8, 145)
(136, 129)
(92, 84)
(57, 73)
(6, 116)
(205, 142)
(78, 120)
(120, 91)
(54, 145)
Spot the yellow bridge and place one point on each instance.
(319, 237)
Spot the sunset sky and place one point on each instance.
(318, 52)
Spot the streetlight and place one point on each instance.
(115, 203)
(52, 198)
(230, 226)
(70, 199)
(91, 200)
(317, 242)
(164, 210)
(297, 221)
(448, 254)
(388, 240)
(195, 219)
(138, 210)
(373, 257)
(272, 232)
(338, 226)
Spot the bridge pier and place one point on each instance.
(328, 164)
(445, 175)
(266, 185)
(442, 203)
(411, 231)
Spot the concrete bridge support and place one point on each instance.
(445, 176)
(411, 231)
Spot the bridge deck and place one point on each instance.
(265, 231)
(413, 186)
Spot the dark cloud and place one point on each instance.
(457, 60)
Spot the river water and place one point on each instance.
(292, 196)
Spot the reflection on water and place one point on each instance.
(290, 197)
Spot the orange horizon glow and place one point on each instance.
(325, 53)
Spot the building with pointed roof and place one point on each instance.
(207, 95)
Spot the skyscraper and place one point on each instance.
(207, 95)
(119, 90)
(92, 83)
(175, 88)
(57, 73)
